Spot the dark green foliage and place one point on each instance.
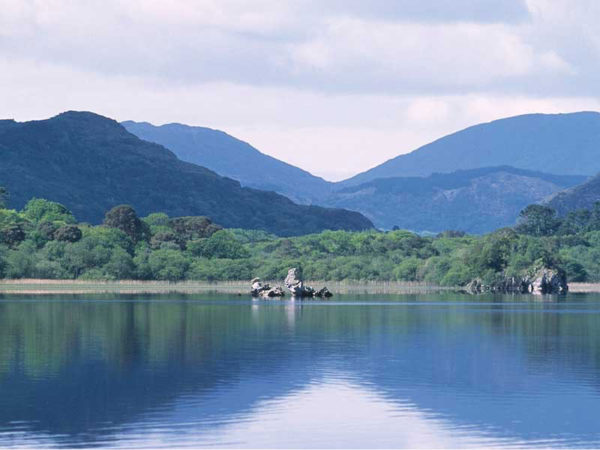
(90, 163)
(68, 233)
(538, 220)
(195, 248)
(166, 239)
(46, 230)
(4, 196)
(124, 218)
(12, 235)
(189, 228)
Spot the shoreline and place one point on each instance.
(46, 287)
(41, 287)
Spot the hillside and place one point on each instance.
(233, 158)
(583, 196)
(476, 201)
(91, 163)
(551, 143)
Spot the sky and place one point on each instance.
(332, 86)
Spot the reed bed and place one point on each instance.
(37, 286)
(584, 287)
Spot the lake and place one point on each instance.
(435, 370)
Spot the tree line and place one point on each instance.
(44, 240)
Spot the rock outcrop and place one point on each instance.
(544, 281)
(323, 293)
(265, 290)
(294, 283)
(549, 281)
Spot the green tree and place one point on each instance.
(68, 233)
(188, 228)
(4, 196)
(120, 265)
(168, 265)
(124, 218)
(221, 244)
(12, 235)
(538, 220)
(39, 210)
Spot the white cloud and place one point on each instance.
(334, 86)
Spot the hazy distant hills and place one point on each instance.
(551, 143)
(233, 158)
(477, 186)
(91, 163)
(475, 180)
(476, 201)
(579, 197)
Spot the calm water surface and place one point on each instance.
(371, 371)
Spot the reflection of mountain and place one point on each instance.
(88, 371)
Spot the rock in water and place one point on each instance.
(549, 281)
(296, 286)
(294, 283)
(323, 293)
(265, 290)
(545, 281)
(273, 292)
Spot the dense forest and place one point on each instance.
(44, 240)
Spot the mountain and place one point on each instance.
(579, 197)
(233, 158)
(91, 163)
(476, 201)
(551, 143)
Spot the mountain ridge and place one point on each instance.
(475, 200)
(91, 163)
(529, 141)
(234, 158)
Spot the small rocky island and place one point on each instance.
(544, 281)
(293, 282)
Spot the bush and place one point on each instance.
(68, 233)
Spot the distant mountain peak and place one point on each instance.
(566, 143)
(91, 163)
(234, 158)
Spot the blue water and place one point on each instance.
(372, 371)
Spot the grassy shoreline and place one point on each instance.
(38, 286)
(242, 287)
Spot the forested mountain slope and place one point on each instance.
(91, 163)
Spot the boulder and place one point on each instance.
(549, 281)
(273, 292)
(474, 286)
(545, 281)
(293, 282)
(323, 293)
(265, 290)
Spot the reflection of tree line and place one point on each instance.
(112, 361)
(38, 339)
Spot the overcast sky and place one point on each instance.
(333, 86)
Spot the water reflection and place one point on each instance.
(363, 372)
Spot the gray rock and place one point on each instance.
(474, 286)
(545, 281)
(293, 282)
(265, 290)
(273, 292)
(549, 281)
(323, 293)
